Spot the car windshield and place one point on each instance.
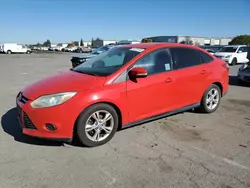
(108, 62)
(100, 50)
(228, 49)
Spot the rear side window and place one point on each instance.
(205, 58)
(185, 57)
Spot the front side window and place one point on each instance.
(243, 49)
(108, 62)
(185, 57)
(156, 62)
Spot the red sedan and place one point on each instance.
(124, 86)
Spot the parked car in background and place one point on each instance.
(79, 59)
(210, 51)
(10, 48)
(244, 73)
(70, 49)
(122, 87)
(83, 50)
(233, 54)
(1, 48)
(213, 48)
(244, 70)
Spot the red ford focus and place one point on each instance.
(124, 86)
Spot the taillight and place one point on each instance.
(225, 65)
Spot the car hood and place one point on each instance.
(223, 53)
(63, 82)
(86, 56)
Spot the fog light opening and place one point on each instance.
(50, 127)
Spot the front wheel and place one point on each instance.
(234, 62)
(97, 125)
(9, 52)
(211, 99)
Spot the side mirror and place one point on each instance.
(239, 51)
(138, 72)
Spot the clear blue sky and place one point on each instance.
(32, 21)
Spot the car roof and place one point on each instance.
(235, 45)
(153, 45)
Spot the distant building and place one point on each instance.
(199, 40)
(106, 42)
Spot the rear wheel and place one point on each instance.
(9, 52)
(97, 125)
(211, 99)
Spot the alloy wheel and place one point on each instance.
(212, 99)
(99, 125)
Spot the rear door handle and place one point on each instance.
(203, 72)
(169, 80)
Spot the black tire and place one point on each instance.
(82, 120)
(28, 52)
(234, 62)
(240, 82)
(204, 108)
(9, 52)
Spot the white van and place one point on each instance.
(10, 48)
(233, 54)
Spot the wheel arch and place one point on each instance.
(117, 109)
(220, 86)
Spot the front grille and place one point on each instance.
(220, 57)
(19, 113)
(27, 122)
(247, 78)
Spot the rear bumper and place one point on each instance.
(224, 94)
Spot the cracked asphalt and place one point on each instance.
(183, 151)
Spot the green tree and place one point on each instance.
(47, 43)
(197, 43)
(187, 40)
(71, 44)
(240, 39)
(146, 40)
(81, 42)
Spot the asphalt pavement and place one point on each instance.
(183, 151)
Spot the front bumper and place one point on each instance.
(33, 122)
(244, 77)
(227, 60)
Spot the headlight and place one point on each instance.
(52, 100)
(243, 67)
(227, 56)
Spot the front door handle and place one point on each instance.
(203, 72)
(169, 80)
